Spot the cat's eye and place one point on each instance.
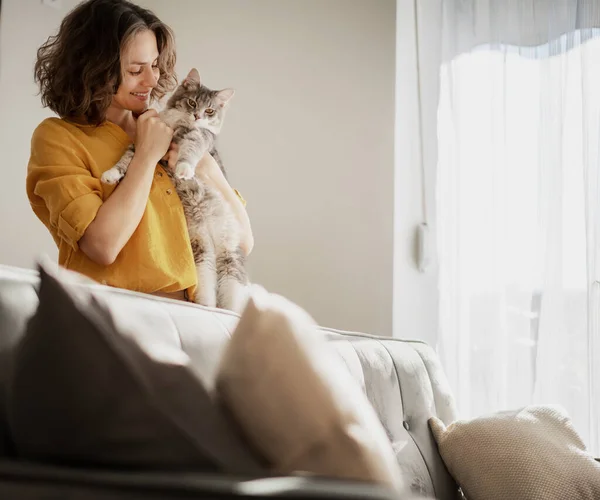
(192, 103)
(209, 111)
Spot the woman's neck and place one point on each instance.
(123, 118)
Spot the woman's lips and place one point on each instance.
(142, 96)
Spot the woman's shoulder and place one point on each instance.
(53, 127)
(64, 132)
(55, 139)
(67, 131)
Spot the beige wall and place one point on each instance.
(24, 25)
(309, 141)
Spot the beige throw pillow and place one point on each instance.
(531, 453)
(296, 401)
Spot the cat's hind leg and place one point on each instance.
(233, 285)
(206, 289)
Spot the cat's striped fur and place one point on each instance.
(196, 114)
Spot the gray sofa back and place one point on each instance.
(402, 379)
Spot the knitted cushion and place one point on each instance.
(531, 453)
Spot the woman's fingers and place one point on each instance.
(171, 155)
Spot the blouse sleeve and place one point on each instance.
(60, 184)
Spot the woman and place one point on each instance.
(109, 60)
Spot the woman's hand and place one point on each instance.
(153, 136)
(171, 156)
(208, 171)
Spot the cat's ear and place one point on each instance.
(224, 96)
(192, 79)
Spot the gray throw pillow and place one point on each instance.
(82, 392)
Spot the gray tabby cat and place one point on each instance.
(196, 115)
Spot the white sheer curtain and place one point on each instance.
(518, 206)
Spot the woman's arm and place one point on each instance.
(120, 214)
(208, 170)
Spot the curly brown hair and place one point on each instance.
(79, 69)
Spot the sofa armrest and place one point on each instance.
(28, 481)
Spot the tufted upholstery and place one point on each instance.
(402, 379)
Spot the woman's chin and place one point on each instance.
(138, 106)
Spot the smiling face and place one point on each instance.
(207, 106)
(140, 73)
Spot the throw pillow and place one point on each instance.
(83, 392)
(532, 453)
(296, 401)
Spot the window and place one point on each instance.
(519, 139)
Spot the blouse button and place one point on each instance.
(159, 174)
(169, 191)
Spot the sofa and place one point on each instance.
(402, 379)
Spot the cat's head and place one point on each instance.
(207, 106)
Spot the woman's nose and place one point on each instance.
(150, 78)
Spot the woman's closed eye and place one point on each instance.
(139, 72)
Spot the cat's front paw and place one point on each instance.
(111, 176)
(184, 171)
